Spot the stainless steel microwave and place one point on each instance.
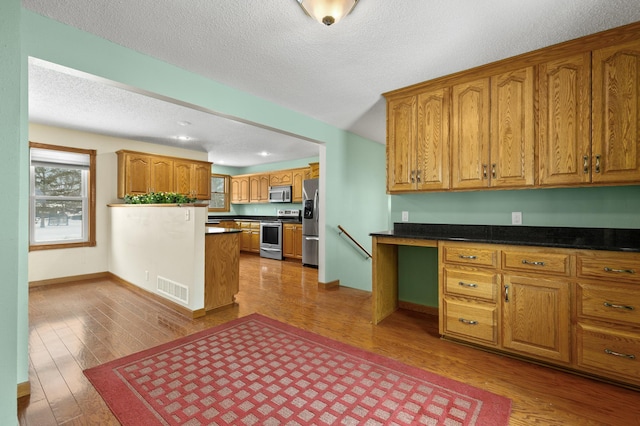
(280, 194)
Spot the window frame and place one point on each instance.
(227, 200)
(90, 215)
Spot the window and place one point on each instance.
(62, 197)
(219, 193)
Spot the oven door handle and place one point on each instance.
(269, 249)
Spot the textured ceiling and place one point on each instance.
(274, 51)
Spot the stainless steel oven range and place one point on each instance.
(271, 239)
(271, 233)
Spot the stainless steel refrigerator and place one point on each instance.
(310, 224)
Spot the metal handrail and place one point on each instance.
(342, 231)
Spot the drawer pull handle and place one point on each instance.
(462, 256)
(506, 293)
(463, 284)
(530, 262)
(621, 355)
(620, 271)
(613, 305)
(469, 322)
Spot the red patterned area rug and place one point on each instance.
(258, 371)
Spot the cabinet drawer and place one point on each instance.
(611, 266)
(620, 303)
(470, 256)
(471, 321)
(480, 285)
(603, 351)
(539, 262)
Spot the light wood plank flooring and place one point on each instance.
(80, 325)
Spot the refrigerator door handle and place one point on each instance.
(315, 205)
(312, 238)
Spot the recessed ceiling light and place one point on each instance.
(183, 138)
(184, 123)
(264, 154)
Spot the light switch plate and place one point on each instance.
(405, 216)
(516, 218)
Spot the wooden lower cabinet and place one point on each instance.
(292, 241)
(575, 309)
(536, 317)
(222, 269)
(250, 238)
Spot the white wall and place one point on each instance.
(152, 241)
(50, 264)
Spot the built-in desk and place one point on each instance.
(385, 248)
(565, 297)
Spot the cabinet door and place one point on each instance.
(512, 135)
(137, 174)
(254, 189)
(297, 241)
(255, 237)
(201, 181)
(401, 134)
(263, 188)
(281, 178)
(161, 174)
(235, 190)
(536, 314)
(287, 240)
(432, 147)
(182, 177)
(470, 135)
(240, 189)
(298, 178)
(616, 114)
(564, 137)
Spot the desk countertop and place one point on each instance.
(547, 236)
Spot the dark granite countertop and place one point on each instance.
(217, 219)
(547, 236)
(209, 230)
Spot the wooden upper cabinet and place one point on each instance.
(298, 176)
(401, 143)
(240, 189)
(616, 114)
(512, 162)
(564, 136)
(281, 178)
(259, 188)
(432, 146)
(193, 179)
(470, 134)
(141, 173)
(201, 181)
(133, 174)
(161, 174)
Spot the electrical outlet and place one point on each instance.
(405, 216)
(516, 218)
(187, 215)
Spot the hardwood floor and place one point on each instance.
(80, 325)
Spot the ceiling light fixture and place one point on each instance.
(327, 11)
(264, 154)
(183, 138)
(184, 123)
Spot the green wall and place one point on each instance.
(606, 207)
(597, 207)
(24, 33)
(13, 245)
